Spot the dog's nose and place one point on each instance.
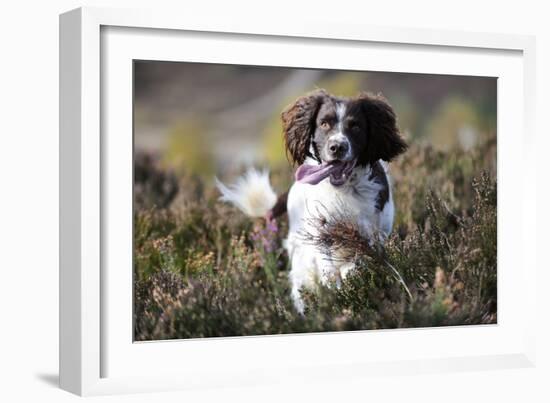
(337, 148)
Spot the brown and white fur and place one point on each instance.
(342, 146)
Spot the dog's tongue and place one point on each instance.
(313, 174)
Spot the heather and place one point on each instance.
(204, 269)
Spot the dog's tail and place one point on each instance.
(251, 193)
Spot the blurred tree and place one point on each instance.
(189, 150)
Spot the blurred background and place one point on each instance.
(205, 119)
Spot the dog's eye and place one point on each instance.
(325, 125)
(355, 127)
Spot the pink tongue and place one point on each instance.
(313, 174)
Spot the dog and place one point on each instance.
(341, 147)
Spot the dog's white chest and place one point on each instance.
(355, 200)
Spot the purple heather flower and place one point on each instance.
(265, 237)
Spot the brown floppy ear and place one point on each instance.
(384, 140)
(299, 124)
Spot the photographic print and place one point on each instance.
(276, 200)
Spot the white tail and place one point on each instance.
(251, 193)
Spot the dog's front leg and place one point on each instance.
(327, 272)
(345, 269)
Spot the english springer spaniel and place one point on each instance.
(341, 146)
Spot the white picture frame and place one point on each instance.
(97, 355)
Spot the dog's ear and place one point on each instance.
(299, 124)
(384, 140)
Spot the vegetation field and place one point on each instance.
(203, 269)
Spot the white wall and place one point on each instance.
(29, 212)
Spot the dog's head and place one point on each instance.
(340, 133)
